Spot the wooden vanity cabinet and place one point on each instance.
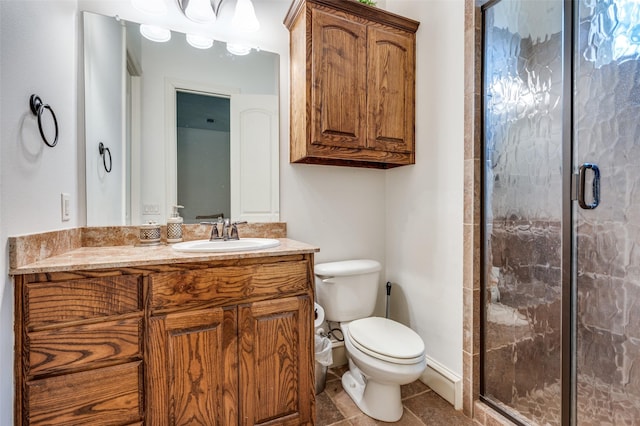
(352, 84)
(227, 342)
(193, 363)
(81, 349)
(232, 345)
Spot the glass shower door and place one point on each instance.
(523, 208)
(607, 237)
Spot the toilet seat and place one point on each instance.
(386, 340)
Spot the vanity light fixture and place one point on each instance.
(199, 42)
(244, 18)
(199, 11)
(155, 33)
(238, 49)
(152, 7)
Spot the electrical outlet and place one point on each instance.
(150, 209)
(65, 206)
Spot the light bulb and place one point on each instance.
(238, 49)
(199, 11)
(199, 42)
(154, 33)
(244, 18)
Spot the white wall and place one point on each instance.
(408, 218)
(6, 311)
(425, 202)
(38, 55)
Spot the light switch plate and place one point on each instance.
(65, 206)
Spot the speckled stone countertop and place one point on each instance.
(89, 258)
(115, 247)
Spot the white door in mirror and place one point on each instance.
(218, 246)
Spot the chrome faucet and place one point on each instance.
(215, 235)
(225, 229)
(229, 230)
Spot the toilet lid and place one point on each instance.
(384, 338)
(345, 268)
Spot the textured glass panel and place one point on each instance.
(607, 132)
(613, 33)
(523, 207)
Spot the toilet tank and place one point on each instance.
(347, 290)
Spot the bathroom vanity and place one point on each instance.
(126, 335)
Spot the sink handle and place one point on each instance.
(233, 235)
(214, 231)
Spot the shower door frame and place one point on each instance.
(568, 270)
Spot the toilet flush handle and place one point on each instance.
(326, 279)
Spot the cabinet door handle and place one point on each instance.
(595, 186)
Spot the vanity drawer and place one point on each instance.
(59, 302)
(226, 285)
(106, 396)
(52, 351)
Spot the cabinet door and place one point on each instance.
(390, 96)
(192, 368)
(276, 362)
(338, 86)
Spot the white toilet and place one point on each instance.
(383, 354)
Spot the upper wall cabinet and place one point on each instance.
(352, 84)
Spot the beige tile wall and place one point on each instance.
(472, 406)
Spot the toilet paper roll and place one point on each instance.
(319, 315)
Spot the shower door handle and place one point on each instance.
(595, 186)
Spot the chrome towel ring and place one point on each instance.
(38, 108)
(103, 150)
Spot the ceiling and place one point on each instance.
(202, 111)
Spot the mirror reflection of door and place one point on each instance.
(203, 152)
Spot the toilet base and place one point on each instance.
(379, 401)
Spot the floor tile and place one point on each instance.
(421, 405)
(412, 389)
(326, 411)
(340, 423)
(333, 375)
(432, 409)
(407, 419)
(341, 399)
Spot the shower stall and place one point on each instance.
(561, 211)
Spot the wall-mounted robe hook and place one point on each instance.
(37, 108)
(103, 150)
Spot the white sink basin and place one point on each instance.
(217, 246)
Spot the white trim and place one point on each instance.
(136, 156)
(123, 169)
(444, 382)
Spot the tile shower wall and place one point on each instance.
(523, 319)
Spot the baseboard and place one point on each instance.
(444, 382)
(339, 353)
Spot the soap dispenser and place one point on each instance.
(174, 226)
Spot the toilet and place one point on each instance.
(383, 354)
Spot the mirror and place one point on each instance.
(133, 89)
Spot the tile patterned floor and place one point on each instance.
(422, 407)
